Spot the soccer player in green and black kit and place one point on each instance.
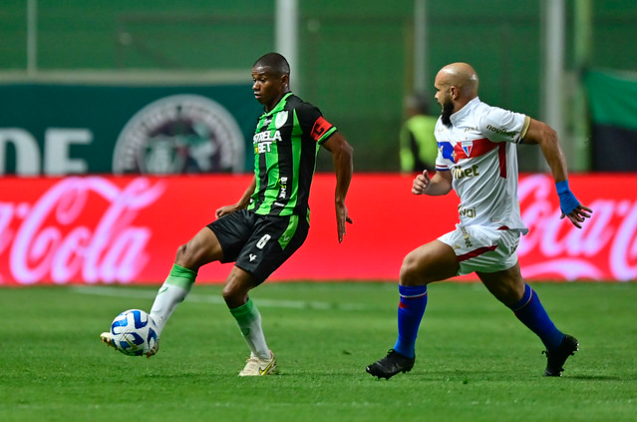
(271, 220)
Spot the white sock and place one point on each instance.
(249, 321)
(171, 293)
(166, 301)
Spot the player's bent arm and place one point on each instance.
(242, 203)
(342, 156)
(543, 135)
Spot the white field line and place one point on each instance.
(272, 303)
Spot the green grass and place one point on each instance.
(475, 361)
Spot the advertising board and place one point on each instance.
(126, 229)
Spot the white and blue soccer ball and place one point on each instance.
(134, 332)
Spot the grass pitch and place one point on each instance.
(475, 361)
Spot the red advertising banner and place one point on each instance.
(112, 229)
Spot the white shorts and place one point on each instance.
(483, 249)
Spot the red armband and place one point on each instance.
(320, 127)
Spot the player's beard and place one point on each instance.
(447, 111)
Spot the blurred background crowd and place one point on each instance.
(567, 62)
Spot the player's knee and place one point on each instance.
(410, 273)
(234, 296)
(182, 254)
(187, 256)
(228, 293)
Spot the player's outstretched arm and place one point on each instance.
(243, 202)
(439, 184)
(342, 155)
(542, 134)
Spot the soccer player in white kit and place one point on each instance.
(477, 158)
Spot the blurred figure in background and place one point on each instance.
(418, 147)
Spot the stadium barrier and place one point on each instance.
(126, 229)
(120, 127)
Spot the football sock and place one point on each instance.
(249, 321)
(530, 311)
(171, 293)
(413, 301)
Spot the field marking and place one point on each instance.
(215, 299)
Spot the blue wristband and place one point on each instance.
(568, 201)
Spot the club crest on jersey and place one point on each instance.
(467, 146)
(280, 119)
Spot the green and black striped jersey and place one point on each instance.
(286, 142)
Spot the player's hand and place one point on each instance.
(225, 210)
(421, 183)
(578, 215)
(341, 219)
(570, 206)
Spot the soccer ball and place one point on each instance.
(134, 332)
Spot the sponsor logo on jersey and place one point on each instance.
(501, 131)
(460, 173)
(267, 136)
(466, 237)
(467, 212)
(180, 134)
(262, 141)
(283, 182)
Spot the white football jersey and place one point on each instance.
(480, 151)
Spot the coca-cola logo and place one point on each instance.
(605, 247)
(80, 229)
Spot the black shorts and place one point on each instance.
(259, 244)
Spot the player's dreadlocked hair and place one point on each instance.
(275, 62)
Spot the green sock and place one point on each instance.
(171, 293)
(249, 321)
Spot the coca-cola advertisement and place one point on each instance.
(126, 230)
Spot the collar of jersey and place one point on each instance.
(278, 106)
(460, 114)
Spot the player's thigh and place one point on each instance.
(274, 240)
(203, 248)
(482, 249)
(434, 261)
(506, 285)
(232, 231)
